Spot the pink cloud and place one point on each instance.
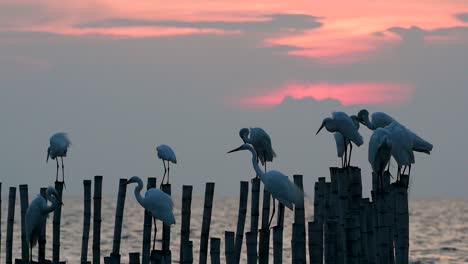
(346, 93)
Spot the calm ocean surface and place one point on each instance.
(438, 229)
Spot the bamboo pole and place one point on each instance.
(250, 238)
(299, 235)
(244, 192)
(280, 214)
(188, 252)
(402, 225)
(42, 236)
(298, 244)
(56, 225)
(166, 234)
(97, 219)
(330, 241)
(364, 256)
(320, 203)
(10, 223)
(186, 212)
(205, 231)
(23, 189)
(339, 178)
(229, 246)
(119, 211)
(315, 232)
(134, 258)
(215, 244)
(264, 241)
(86, 221)
(255, 213)
(277, 244)
(148, 221)
(371, 232)
(352, 239)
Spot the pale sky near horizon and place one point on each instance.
(123, 76)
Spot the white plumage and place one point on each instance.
(36, 216)
(58, 147)
(155, 201)
(261, 142)
(341, 143)
(380, 151)
(278, 184)
(402, 146)
(165, 153)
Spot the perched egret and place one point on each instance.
(261, 142)
(342, 123)
(380, 151)
(380, 119)
(165, 153)
(59, 144)
(341, 144)
(278, 184)
(402, 147)
(36, 216)
(158, 203)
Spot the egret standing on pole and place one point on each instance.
(342, 123)
(158, 203)
(261, 142)
(380, 151)
(165, 153)
(341, 144)
(36, 216)
(59, 144)
(278, 184)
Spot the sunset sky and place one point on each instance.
(124, 76)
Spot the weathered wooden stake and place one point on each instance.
(215, 245)
(166, 234)
(255, 213)
(244, 192)
(188, 252)
(299, 236)
(23, 189)
(280, 214)
(402, 224)
(56, 226)
(205, 231)
(330, 241)
(250, 237)
(277, 244)
(42, 236)
(134, 258)
(364, 256)
(371, 233)
(186, 212)
(319, 217)
(315, 232)
(229, 246)
(97, 219)
(119, 211)
(148, 221)
(86, 221)
(10, 223)
(264, 241)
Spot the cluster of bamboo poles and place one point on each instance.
(346, 228)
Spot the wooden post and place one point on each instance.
(86, 221)
(299, 234)
(340, 191)
(264, 247)
(134, 258)
(215, 245)
(280, 214)
(229, 247)
(364, 256)
(205, 231)
(188, 252)
(353, 244)
(315, 233)
(330, 241)
(56, 226)
(97, 220)
(244, 192)
(166, 234)
(250, 237)
(42, 236)
(402, 224)
(277, 245)
(10, 223)
(319, 216)
(371, 232)
(255, 213)
(186, 212)
(119, 211)
(23, 189)
(148, 221)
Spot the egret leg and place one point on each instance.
(56, 175)
(154, 236)
(345, 153)
(342, 162)
(409, 170)
(350, 150)
(388, 167)
(272, 214)
(63, 173)
(165, 170)
(168, 172)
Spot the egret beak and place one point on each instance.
(47, 160)
(323, 124)
(128, 182)
(234, 150)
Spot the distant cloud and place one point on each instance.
(345, 93)
(463, 17)
(416, 34)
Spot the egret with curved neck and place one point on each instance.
(278, 184)
(261, 142)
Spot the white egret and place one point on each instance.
(278, 184)
(380, 151)
(402, 146)
(158, 203)
(59, 144)
(261, 142)
(165, 153)
(36, 216)
(342, 123)
(380, 119)
(341, 144)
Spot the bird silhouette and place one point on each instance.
(165, 153)
(380, 151)
(158, 203)
(341, 143)
(278, 184)
(261, 142)
(58, 147)
(36, 216)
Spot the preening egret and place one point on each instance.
(278, 184)
(59, 144)
(342, 123)
(380, 151)
(36, 216)
(341, 144)
(261, 142)
(380, 119)
(158, 203)
(165, 153)
(402, 146)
